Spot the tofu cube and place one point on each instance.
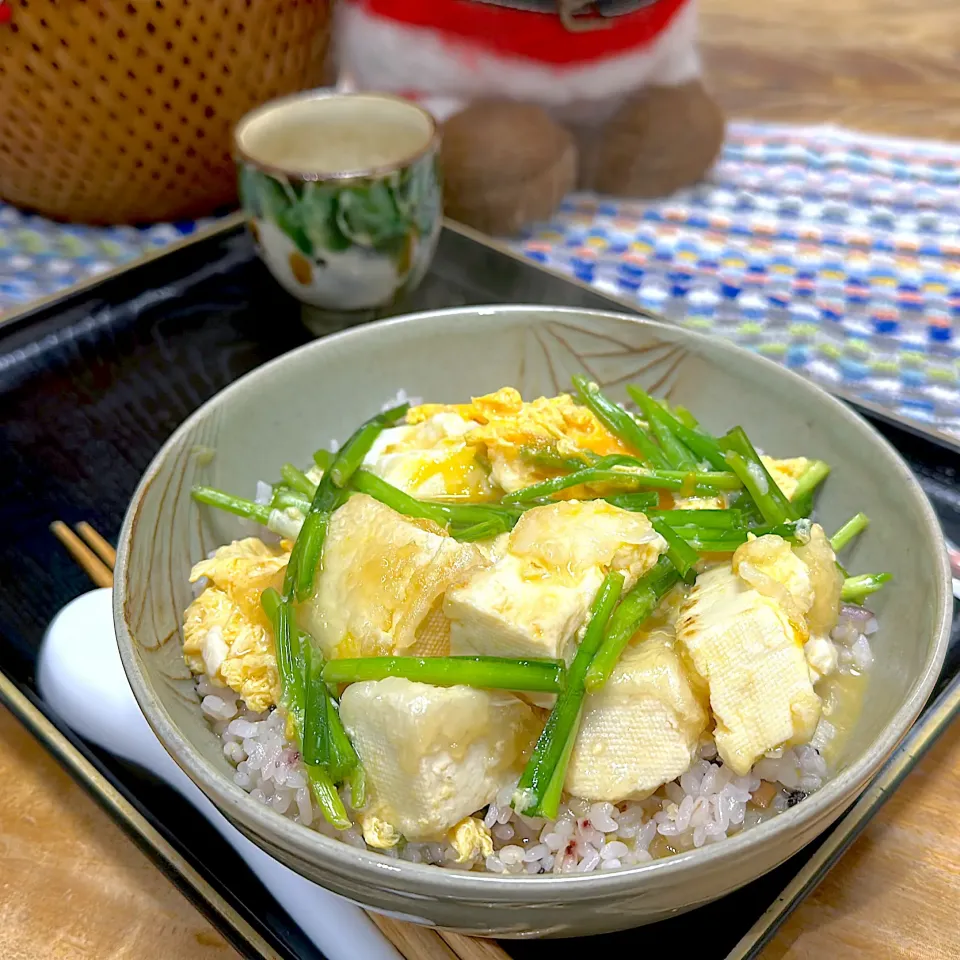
(382, 575)
(750, 657)
(434, 755)
(535, 598)
(500, 612)
(642, 729)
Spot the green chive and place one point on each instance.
(235, 505)
(694, 481)
(545, 676)
(284, 498)
(747, 465)
(680, 554)
(323, 459)
(465, 515)
(852, 528)
(551, 460)
(298, 480)
(327, 798)
(636, 606)
(857, 589)
(721, 519)
(661, 423)
(316, 746)
(358, 787)
(561, 727)
(619, 422)
(636, 502)
(807, 485)
(349, 458)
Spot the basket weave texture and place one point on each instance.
(122, 112)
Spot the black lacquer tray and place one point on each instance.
(93, 382)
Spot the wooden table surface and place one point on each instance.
(73, 886)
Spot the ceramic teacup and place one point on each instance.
(343, 195)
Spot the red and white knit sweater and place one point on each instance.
(448, 52)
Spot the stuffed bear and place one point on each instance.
(539, 97)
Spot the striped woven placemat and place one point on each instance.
(39, 258)
(834, 253)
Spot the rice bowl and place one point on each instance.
(472, 362)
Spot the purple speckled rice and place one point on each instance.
(702, 806)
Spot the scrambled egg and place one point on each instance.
(225, 631)
(507, 423)
(504, 426)
(432, 458)
(699, 503)
(825, 579)
(380, 834)
(769, 565)
(471, 839)
(786, 473)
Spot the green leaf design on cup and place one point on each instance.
(249, 189)
(369, 215)
(270, 199)
(319, 205)
(418, 193)
(390, 215)
(294, 224)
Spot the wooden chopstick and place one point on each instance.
(100, 546)
(93, 566)
(473, 948)
(411, 940)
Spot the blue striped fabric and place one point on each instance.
(834, 253)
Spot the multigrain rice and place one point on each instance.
(702, 806)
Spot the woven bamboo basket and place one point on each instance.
(121, 112)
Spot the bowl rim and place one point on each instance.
(432, 881)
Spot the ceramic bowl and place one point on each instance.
(343, 195)
(303, 400)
